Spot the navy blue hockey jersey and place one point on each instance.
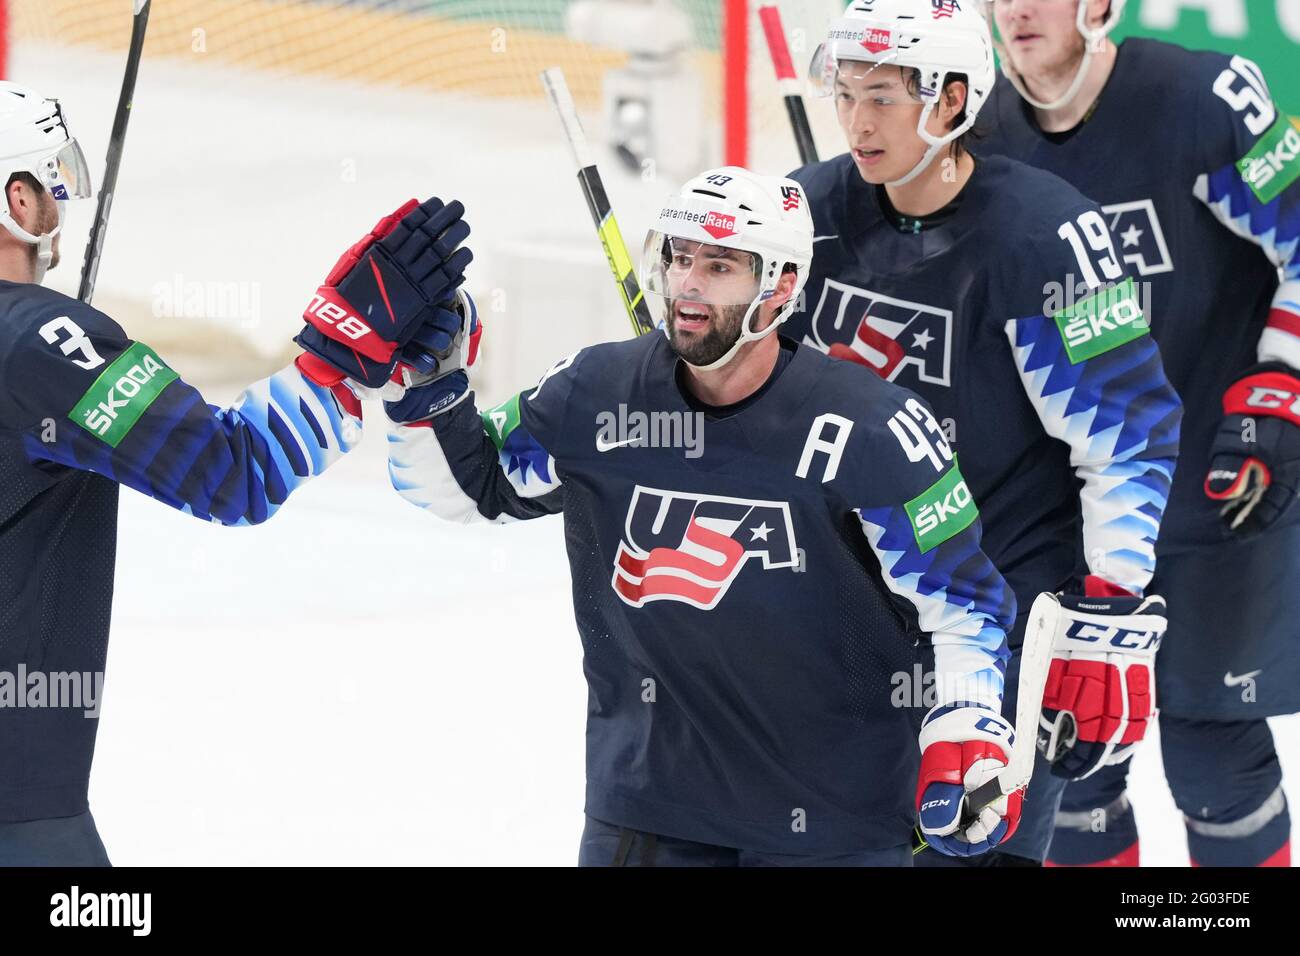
(1198, 175)
(748, 584)
(83, 409)
(1017, 323)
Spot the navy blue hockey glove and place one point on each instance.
(386, 301)
(964, 745)
(429, 394)
(1255, 457)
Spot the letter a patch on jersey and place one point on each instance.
(122, 393)
(685, 547)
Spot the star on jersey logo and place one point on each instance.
(690, 548)
(886, 334)
(1138, 227)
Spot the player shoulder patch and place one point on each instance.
(1273, 163)
(943, 510)
(500, 420)
(113, 405)
(1103, 321)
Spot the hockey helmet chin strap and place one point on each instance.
(44, 243)
(1094, 41)
(933, 143)
(747, 333)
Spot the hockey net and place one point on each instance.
(263, 128)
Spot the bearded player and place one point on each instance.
(746, 601)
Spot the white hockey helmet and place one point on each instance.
(765, 218)
(1093, 41)
(939, 38)
(34, 139)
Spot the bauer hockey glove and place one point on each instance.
(432, 393)
(1100, 693)
(386, 301)
(964, 745)
(1255, 457)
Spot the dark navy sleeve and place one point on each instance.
(923, 526)
(469, 466)
(84, 395)
(1074, 319)
(1248, 174)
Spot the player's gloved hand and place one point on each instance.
(431, 393)
(383, 303)
(1255, 458)
(963, 745)
(1100, 693)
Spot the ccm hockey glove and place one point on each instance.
(431, 394)
(963, 745)
(1100, 693)
(1255, 458)
(386, 301)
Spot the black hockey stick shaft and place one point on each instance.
(116, 143)
(602, 213)
(770, 17)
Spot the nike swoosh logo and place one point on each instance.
(610, 446)
(817, 239)
(1230, 681)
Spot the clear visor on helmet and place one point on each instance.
(827, 74)
(64, 172)
(687, 269)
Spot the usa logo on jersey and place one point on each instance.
(884, 333)
(1138, 236)
(686, 547)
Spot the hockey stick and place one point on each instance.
(593, 190)
(770, 16)
(116, 142)
(1035, 660)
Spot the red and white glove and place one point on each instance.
(964, 745)
(1100, 694)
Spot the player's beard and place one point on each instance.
(723, 332)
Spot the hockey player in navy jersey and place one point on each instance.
(83, 409)
(757, 536)
(1197, 172)
(993, 290)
